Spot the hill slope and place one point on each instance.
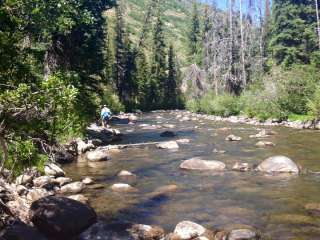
(176, 15)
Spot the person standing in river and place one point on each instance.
(105, 116)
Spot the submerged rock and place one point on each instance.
(54, 170)
(168, 145)
(199, 164)
(88, 180)
(80, 198)
(98, 155)
(61, 218)
(123, 187)
(242, 234)
(278, 164)
(265, 144)
(187, 230)
(233, 138)
(168, 134)
(125, 173)
(146, 232)
(183, 140)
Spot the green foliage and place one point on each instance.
(314, 104)
(111, 100)
(193, 105)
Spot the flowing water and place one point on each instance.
(272, 204)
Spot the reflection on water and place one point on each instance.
(273, 204)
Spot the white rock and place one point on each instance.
(265, 144)
(83, 147)
(88, 181)
(187, 230)
(98, 155)
(233, 138)
(62, 180)
(278, 164)
(42, 181)
(242, 234)
(125, 173)
(80, 198)
(183, 140)
(23, 179)
(168, 145)
(37, 193)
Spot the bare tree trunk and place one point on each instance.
(318, 21)
(244, 77)
(230, 79)
(4, 147)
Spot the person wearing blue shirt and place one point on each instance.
(105, 116)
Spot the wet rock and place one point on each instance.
(73, 188)
(96, 186)
(265, 144)
(62, 180)
(98, 155)
(54, 170)
(21, 231)
(313, 209)
(183, 140)
(263, 134)
(61, 218)
(278, 164)
(125, 173)
(24, 179)
(233, 138)
(80, 198)
(187, 230)
(88, 181)
(63, 156)
(123, 187)
(242, 234)
(164, 190)
(169, 126)
(37, 193)
(199, 164)
(146, 232)
(241, 167)
(168, 145)
(106, 135)
(42, 181)
(185, 119)
(83, 146)
(168, 134)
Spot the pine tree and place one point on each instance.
(171, 86)
(293, 38)
(158, 66)
(108, 56)
(141, 78)
(195, 32)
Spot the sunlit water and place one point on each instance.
(274, 205)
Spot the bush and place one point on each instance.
(112, 100)
(193, 105)
(314, 105)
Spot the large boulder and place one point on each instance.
(61, 218)
(20, 231)
(98, 155)
(187, 230)
(106, 135)
(278, 164)
(54, 170)
(199, 164)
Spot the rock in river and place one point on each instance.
(61, 218)
(123, 187)
(52, 169)
(265, 144)
(233, 138)
(199, 164)
(20, 231)
(106, 135)
(241, 167)
(80, 198)
(168, 145)
(242, 234)
(278, 164)
(73, 188)
(168, 134)
(146, 232)
(187, 230)
(98, 155)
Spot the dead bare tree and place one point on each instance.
(318, 21)
(244, 77)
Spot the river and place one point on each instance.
(272, 204)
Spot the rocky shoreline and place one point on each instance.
(51, 206)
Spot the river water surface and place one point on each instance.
(272, 204)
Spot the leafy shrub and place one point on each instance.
(112, 100)
(192, 105)
(314, 105)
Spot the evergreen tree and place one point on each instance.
(141, 78)
(158, 66)
(195, 32)
(171, 85)
(293, 38)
